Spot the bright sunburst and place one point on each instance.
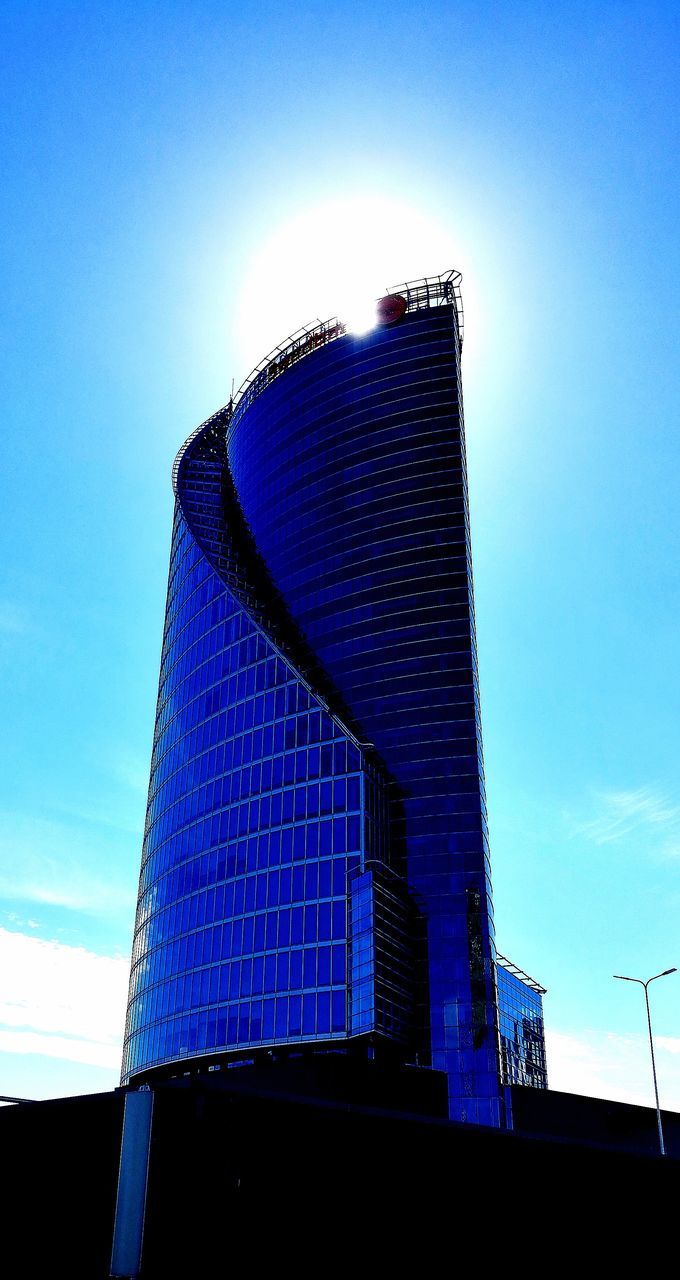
(335, 259)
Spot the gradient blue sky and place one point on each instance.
(177, 180)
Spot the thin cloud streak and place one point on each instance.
(56, 884)
(643, 811)
(70, 1050)
(132, 771)
(57, 864)
(100, 818)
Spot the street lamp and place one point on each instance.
(623, 978)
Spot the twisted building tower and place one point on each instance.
(315, 871)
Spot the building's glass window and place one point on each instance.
(522, 1035)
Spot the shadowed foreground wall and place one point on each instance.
(240, 1176)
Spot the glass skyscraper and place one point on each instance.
(315, 871)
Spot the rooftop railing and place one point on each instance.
(420, 295)
(519, 973)
(430, 291)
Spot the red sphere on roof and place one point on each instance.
(391, 308)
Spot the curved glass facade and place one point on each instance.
(264, 831)
(298, 884)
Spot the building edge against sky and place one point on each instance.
(315, 870)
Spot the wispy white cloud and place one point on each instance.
(670, 1044)
(57, 864)
(67, 1048)
(20, 922)
(132, 770)
(604, 1065)
(121, 803)
(642, 811)
(97, 816)
(58, 1001)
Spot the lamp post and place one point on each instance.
(640, 983)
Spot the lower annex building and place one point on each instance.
(315, 870)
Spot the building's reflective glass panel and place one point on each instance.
(520, 1007)
(260, 808)
(350, 469)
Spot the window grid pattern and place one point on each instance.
(260, 807)
(380, 954)
(351, 472)
(522, 1035)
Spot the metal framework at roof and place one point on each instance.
(519, 973)
(429, 291)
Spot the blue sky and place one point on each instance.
(177, 182)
